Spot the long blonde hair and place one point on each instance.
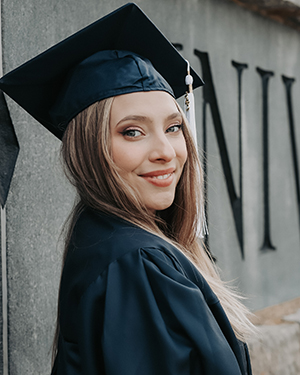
(86, 154)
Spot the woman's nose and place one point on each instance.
(161, 149)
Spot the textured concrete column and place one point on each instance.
(3, 278)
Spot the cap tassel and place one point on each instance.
(202, 229)
(190, 104)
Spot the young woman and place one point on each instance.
(138, 293)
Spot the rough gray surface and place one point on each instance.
(33, 253)
(277, 350)
(40, 198)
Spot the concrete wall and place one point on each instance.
(40, 198)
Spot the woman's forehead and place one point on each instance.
(150, 103)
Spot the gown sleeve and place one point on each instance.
(151, 320)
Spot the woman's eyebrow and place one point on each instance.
(174, 115)
(133, 118)
(145, 118)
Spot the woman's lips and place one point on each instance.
(160, 178)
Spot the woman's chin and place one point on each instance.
(160, 205)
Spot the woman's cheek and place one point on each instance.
(127, 155)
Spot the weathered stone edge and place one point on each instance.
(276, 350)
(285, 12)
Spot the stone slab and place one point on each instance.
(293, 317)
(276, 314)
(276, 350)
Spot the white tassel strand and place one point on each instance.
(190, 104)
(202, 229)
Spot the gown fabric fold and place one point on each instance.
(133, 304)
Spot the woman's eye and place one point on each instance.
(132, 133)
(174, 128)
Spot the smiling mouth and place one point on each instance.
(160, 180)
(164, 173)
(162, 177)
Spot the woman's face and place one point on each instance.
(148, 145)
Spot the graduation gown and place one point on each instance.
(132, 304)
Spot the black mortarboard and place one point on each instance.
(122, 52)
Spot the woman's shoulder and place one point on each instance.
(100, 241)
(109, 237)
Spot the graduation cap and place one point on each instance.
(120, 53)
